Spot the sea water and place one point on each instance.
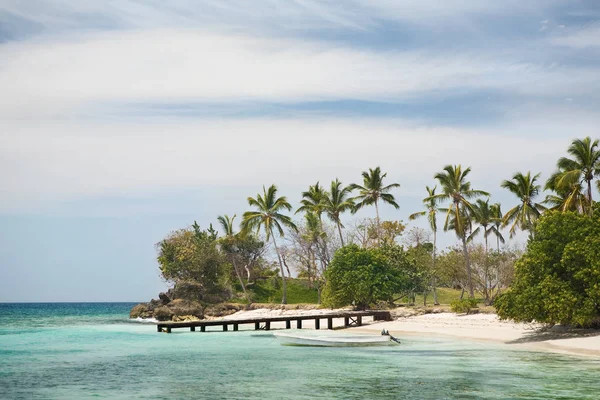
(93, 350)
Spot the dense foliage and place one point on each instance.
(558, 278)
(362, 277)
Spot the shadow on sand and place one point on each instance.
(556, 332)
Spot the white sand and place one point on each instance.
(474, 327)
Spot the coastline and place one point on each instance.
(477, 327)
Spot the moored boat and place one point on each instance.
(329, 340)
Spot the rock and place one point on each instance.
(163, 313)
(140, 311)
(164, 298)
(182, 307)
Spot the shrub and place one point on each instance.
(463, 306)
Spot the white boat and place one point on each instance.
(332, 340)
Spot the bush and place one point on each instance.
(463, 306)
(557, 281)
(361, 277)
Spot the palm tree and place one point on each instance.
(525, 214)
(226, 223)
(268, 216)
(496, 224)
(458, 191)
(568, 193)
(583, 167)
(337, 202)
(431, 210)
(482, 214)
(372, 191)
(312, 200)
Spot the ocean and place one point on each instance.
(93, 350)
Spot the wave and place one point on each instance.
(144, 320)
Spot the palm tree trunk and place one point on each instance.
(498, 242)
(239, 276)
(468, 266)
(378, 224)
(433, 281)
(589, 196)
(283, 285)
(339, 226)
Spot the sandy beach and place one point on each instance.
(480, 327)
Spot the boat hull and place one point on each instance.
(287, 339)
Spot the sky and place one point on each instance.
(122, 120)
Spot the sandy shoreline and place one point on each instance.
(479, 327)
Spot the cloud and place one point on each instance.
(59, 161)
(66, 77)
(587, 37)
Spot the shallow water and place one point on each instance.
(80, 351)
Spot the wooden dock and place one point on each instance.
(351, 318)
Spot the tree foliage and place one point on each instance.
(558, 278)
(362, 277)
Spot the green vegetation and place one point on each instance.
(558, 278)
(463, 306)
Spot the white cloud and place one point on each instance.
(57, 161)
(580, 38)
(64, 77)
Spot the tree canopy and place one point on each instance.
(558, 278)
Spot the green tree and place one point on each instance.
(313, 200)
(483, 215)
(523, 215)
(373, 190)
(497, 218)
(456, 189)
(268, 216)
(431, 211)
(336, 202)
(583, 166)
(228, 244)
(557, 279)
(568, 193)
(361, 277)
(192, 255)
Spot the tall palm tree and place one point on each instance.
(312, 200)
(336, 202)
(372, 191)
(523, 215)
(496, 224)
(482, 214)
(583, 166)
(568, 193)
(268, 216)
(456, 189)
(226, 223)
(431, 210)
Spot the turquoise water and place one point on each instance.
(82, 351)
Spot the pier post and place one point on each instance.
(267, 325)
(235, 327)
(317, 323)
(329, 323)
(256, 326)
(168, 329)
(299, 324)
(346, 321)
(158, 328)
(224, 327)
(202, 328)
(288, 324)
(359, 320)
(192, 329)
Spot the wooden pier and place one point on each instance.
(351, 318)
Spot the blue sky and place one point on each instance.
(123, 120)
